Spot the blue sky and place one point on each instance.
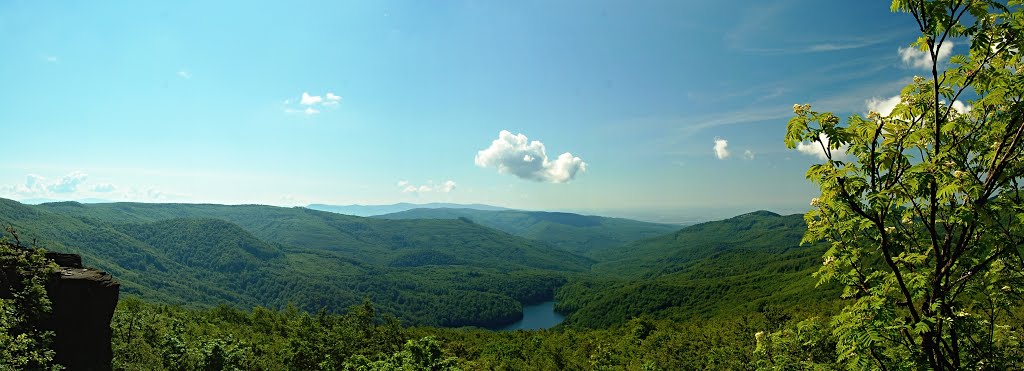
(406, 101)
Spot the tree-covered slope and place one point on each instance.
(572, 232)
(741, 264)
(370, 240)
(440, 272)
(756, 232)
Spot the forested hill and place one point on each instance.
(581, 234)
(439, 272)
(738, 265)
(757, 232)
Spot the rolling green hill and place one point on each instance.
(576, 233)
(693, 299)
(448, 270)
(438, 272)
(742, 264)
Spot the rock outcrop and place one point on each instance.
(83, 302)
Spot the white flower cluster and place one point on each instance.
(801, 109)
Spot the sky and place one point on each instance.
(615, 107)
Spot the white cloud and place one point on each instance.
(37, 186)
(51, 59)
(446, 187)
(68, 183)
(748, 154)
(185, 75)
(74, 185)
(883, 106)
(309, 100)
(34, 182)
(960, 107)
(310, 104)
(914, 57)
(516, 155)
(103, 188)
(815, 149)
(332, 100)
(721, 150)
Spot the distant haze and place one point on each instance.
(679, 216)
(372, 210)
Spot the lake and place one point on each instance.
(536, 317)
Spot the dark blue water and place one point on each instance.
(536, 317)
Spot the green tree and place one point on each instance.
(23, 305)
(923, 211)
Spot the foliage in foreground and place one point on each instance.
(23, 304)
(162, 337)
(923, 206)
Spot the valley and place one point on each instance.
(441, 268)
(432, 266)
(443, 279)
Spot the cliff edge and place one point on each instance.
(83, 302)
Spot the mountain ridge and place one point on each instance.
(576, 233)
(373, 210)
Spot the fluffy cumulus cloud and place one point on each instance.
(37, 185)
(815, 149)
(446, 187)
(748, 155)
(310, 100)
(310, 105)
(517, 155)
(883, 106)
(68, 183)
(331, 99)
(721, 148)
(74, 186)
(34, 183)
(914, 57)
(960, 107)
